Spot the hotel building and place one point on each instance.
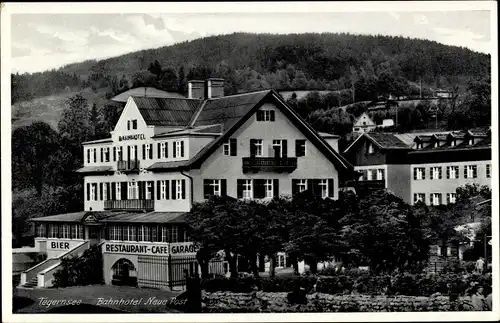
(165, 154)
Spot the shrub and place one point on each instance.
(340, 284)
(85, 270)
(288, 284)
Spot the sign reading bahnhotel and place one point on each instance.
(151, 249)
(139, 136)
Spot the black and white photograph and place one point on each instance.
(228, 161)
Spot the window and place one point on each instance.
(165, 234)
(488, 171)
(144, 233)
(178, 149)
(115, 232)
(300, 147)
(452, 172)
(370, 149)
(436, 199)
(265, 115)
(419, 173)
(175, 234)
(132, 191)
(247, 189)
(451, 197)
(256, 147)
(268, 185)
(163, 150)
(41, 230)
(323, 184)
(106, 154)
(119, 152)
(134, 124)
(229, 147)
(323, 187)
(380, 174)
(418, 197)
(186, 236)
(147, 152)
(132, 153)
(149, 190)
(436, 173)
(65, 231)
(163, 190)
(128, 124)
(105, 192)
(95, 155)
(88, 156)
(74, 231)
(453, 143)
(129, 233)
(369, 175)
(118, 191)
(436, 144)
(213, 187)
(302, 185)
(470, 171)
(356, 129)
(178, 189)
(471, 141)
(53, 231)
(93, 192)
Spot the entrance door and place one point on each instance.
(94, 234)
(281, 261)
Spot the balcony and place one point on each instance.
(130, 205)
(128, 166)
(270, 164)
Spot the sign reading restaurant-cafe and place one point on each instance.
(181, 249)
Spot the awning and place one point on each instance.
(150, 217)
(95, 169)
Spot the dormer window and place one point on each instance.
(471, 141)
(453, 143)
(436, 144)
(370, 149)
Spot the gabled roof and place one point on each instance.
(231, 112)
(98, 141)
(381, 139)
(166, 111)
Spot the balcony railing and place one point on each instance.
(273, 164)
(129, 205)
(131, 165)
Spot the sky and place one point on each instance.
(44, 41)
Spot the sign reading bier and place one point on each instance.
(175, 249)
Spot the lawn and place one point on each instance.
(94, 298)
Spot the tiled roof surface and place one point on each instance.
(98, 141)
(150, 217)
(150, 92)
(169, 165)
(386, 140)
(167, 111)
(74, 217)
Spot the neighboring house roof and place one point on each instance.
(483, 144)
(145, 92)
(231, 112)
(382, 140)
(166, 111)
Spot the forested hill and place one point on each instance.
(253, 61)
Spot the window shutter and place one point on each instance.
(297, 149)
(166, 149)
(232, 147)
(440, 172)
(152, 183)
(207, 191)
(167, 189)
(143, 151)
(100, 191)
(316, 187)
(124, 191)
(182, 148)
(174, 191)
(457, 172)
(423, 173)
(284, 144)
(447, 172)
(276, 188)
(259, 115)
(102, 155)
(252, 147)
(159, 150)
(414, 198)
(272, 115)
(310, 185)
(295, 187)
(108, 190)
(174, 150)
(259, 190)
(150, 151)
(465, 171)
(158, 190)
(330, 188)
(142, 190)
(128, 153)
(183, 185)
(474, 172)
(113, 191)
(223, 187)
(88, 191)
(383, 174)
(414, 174)
(239, 186)
(447, 198)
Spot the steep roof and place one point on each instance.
(167, 111)
(386, 140)
(231, 112)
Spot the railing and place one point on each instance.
(46, 276)
(285, 164)
(130, 165)
(129, 205)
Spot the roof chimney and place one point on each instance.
(214, 88)
(196, 89)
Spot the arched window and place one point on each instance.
(123, 268)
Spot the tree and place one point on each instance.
(181, 80)
(168, 80)
(299, 81)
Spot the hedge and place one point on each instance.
(359, 283)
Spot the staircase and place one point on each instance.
(31, 284)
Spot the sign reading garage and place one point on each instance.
(179, 249)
